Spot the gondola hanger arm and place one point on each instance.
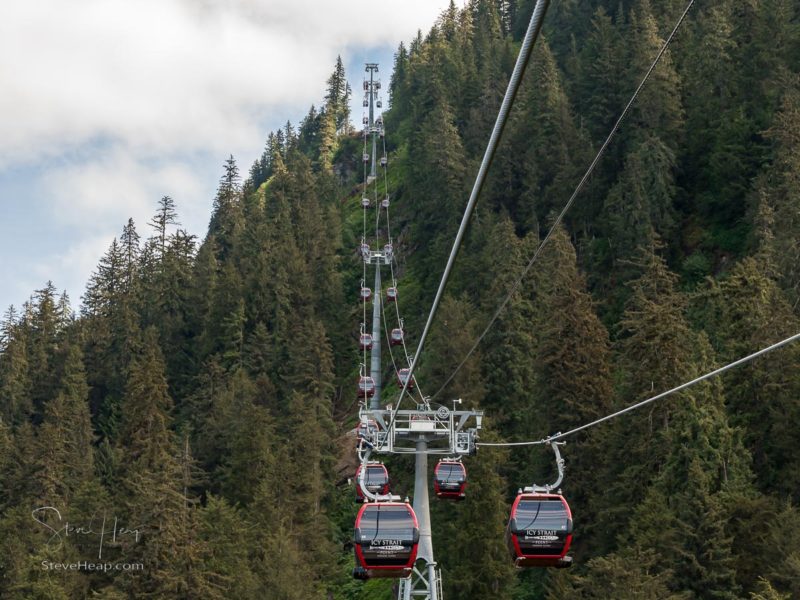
(547, 488)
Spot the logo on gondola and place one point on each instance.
(540, 534)
(386, 545)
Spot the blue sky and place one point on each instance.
(107, 105)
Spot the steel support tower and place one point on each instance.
(371, 93)
(424, 431)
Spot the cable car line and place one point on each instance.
(560, 436)
(528, 42)
(572, 198)
(391, 354)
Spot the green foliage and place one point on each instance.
(204, 393)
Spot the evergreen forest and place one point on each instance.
(198, 402)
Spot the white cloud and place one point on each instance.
(107, 105)
(173, 75)
(114, 186)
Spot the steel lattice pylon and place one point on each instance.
(423, 431)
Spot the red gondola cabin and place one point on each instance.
(450, 480)
(365, 341)
(367, 430)
(396, 337)
(366, 387)
(539, 531)
(402, 377)
(391, 294)
(386, 540)
(366, 294)
(376, 479)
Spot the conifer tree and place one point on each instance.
(226, 219)
(64, 440)
(779, 190)
(15, 401)
(744, 312)
(152, 488)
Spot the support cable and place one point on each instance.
(391, 269)
(363, 328)
(571, 200)
(528, 42)
(683, 386)
(391, 353)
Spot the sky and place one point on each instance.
(108, 105)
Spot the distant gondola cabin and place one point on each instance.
(365, 341)
(391, 294)
(366, 294)
(450, 480)
(396, 337)
(386, 540)
(366, 387)
(539, 531)
(376, 479)
(402, 377)
(367, 429)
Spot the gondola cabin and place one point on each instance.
(385, 202)
(402, 377)
(450, 480)
(386, 540)
(366, 387)
(367, 430)
(366, 294)
(379, 104)
(376, 479)
(365, 156)
(384, 162)
(391, 294)
(396, 337)
(364, 250)
(365, 203)
(365, 104)
(539, 531)
(388, 249)
(365, 341)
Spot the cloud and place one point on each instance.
(107, 105)
(173, 75)
(115, 185)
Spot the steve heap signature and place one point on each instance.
(109, 529)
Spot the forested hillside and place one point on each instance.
(201, 397)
